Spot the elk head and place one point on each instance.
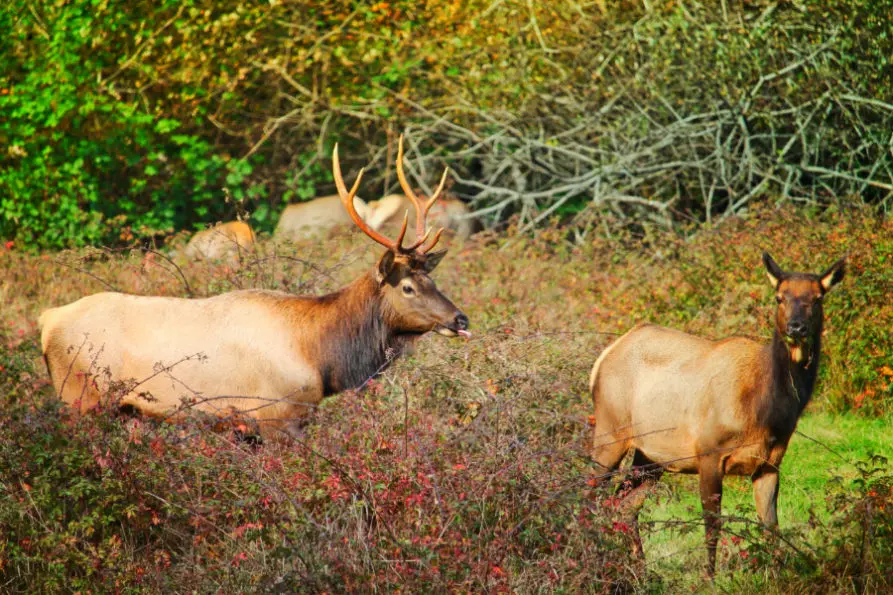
(410, 299)
(798, 318)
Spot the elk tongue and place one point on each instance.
(464, 333)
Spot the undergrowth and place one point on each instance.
(464, 468)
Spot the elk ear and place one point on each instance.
(773, 271)
(384, 267)
(433, 260)
(833, 275)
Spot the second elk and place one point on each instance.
(228, 241)
(267, 355)
(714, 408)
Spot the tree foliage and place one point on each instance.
(141, 117)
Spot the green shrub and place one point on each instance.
(87, 158)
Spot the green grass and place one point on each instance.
(805, 474)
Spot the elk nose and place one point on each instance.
(461, 321)
(796, 329)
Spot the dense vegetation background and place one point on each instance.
(130, 119)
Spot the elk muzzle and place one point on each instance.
(457, 328)
(797, 330)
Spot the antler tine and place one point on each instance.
(403, 231)
(440, 186)
(433, 242)
(421, 209)
(347, 200)
(407, 190)
(418, 243)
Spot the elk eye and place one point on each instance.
(408, 290)
(779, 299)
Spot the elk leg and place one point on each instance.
(81, 391)
(711, 475)
(283, 431)
(765, 494)
(607, 457)
(643, 475)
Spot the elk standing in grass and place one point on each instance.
(267, 355)
(714, 408)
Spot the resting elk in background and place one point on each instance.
(714, 408)
(225, 240)
(268, 355)
(449, 213)
(314, 218)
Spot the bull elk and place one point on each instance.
(267, 355)
(715, 408)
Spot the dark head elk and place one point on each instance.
(266, 355)
(714, 408)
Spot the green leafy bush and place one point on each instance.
(88, 158)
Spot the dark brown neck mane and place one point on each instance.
(357, 340)
(792, 382)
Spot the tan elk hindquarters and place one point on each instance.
(715, 408)
(263, 354)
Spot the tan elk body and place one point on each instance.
(715, 408)
(264, 354)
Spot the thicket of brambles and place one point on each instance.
(465, 467)
(125, 120)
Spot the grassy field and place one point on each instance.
(463, 468)
(808, 469)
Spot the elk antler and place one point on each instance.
(347, 200)
(421, 210)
